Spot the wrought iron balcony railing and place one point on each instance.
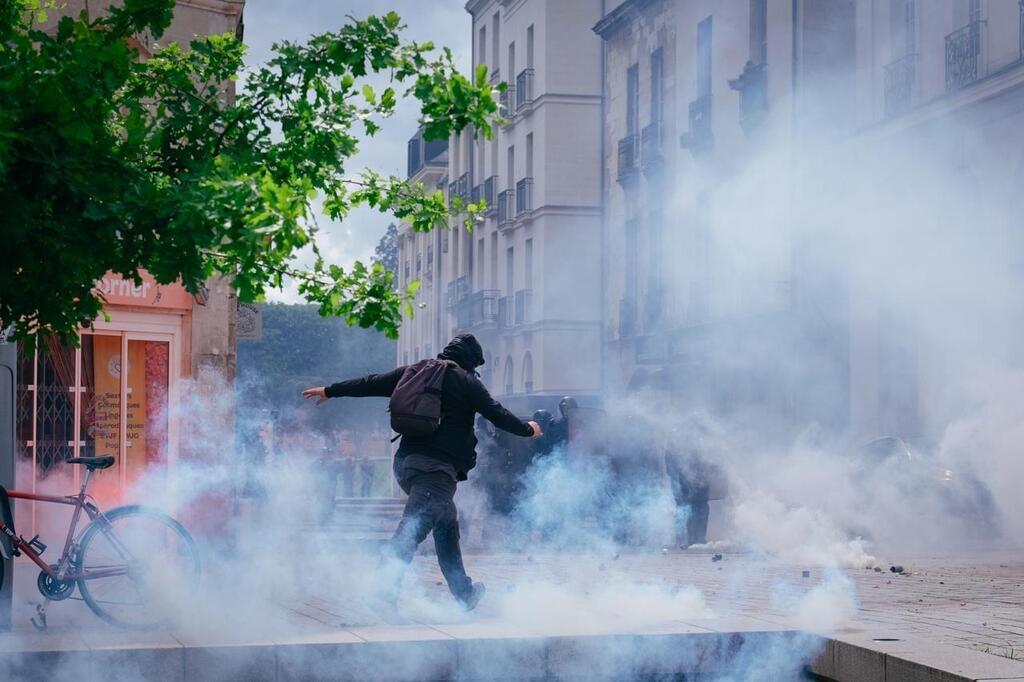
(900, 79)
(507, 102)
(651, 142)
(463, 187)
(699, 136)
(524, 88)
(488, 193)
(458, 289)
(524, 196)
(524, 305)
(752, 85)
(474, 194)
(477, 309)
(453, 190)
(506, 207)
(629, 158)
(963, 46)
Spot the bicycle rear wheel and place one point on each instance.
(152, 562)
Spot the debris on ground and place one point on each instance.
(878, 569)
(805, 574)
(716, 557)
(896, 569)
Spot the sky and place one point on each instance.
(445, 22)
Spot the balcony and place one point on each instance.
(463, 187)
(477, 309)
(524, 303)
(474, 194)
(752, 85)
(495, 76)
(524, 88)
(458, 290)
(506, 207)
(900, 77)
(651, 151)
(962, 49)
(488, 194)
(699, 138)
(524, 196)
(629, 159)
(506, 104)
(453, 191)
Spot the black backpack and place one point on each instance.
(415, 404)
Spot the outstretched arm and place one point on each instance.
(494, 412)
(382, 385)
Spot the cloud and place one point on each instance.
(444, 22)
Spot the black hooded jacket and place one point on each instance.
(462, 396)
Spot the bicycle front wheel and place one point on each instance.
(139, 567)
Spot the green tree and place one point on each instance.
(110, 162)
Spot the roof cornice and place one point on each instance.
(619, 17)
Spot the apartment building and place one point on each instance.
(695, 91)
(942, 81)
(526, 280)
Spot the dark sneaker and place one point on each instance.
(474, 597)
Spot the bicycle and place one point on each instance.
(130, 550)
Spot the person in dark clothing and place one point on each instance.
(366, 475)
(348, 475)
(546, 443)
(429, 467)
(557, 432)
(689, 473)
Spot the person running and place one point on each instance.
(429, 467)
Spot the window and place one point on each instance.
(512, 61)
(527, 373)
(657, 86)
(483, 45)
(480, 263)
(495, 40)
(405, 357)
(509, 376)
(902, 31)
(419, 264)
(529, 46)
(510, 262)
(632, 100)
(704, 58)
(406, 272)
(510, 177)
(428, 352)
(528, 264)
(494, 260)
(759, 31)
(529, 155)
(415, 354)
(430, 258)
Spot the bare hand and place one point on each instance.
(319, 393)
(537, 432)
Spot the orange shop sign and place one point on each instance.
(117, 289)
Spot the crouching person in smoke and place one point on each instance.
(433, 403)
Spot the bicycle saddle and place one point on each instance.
(104, 462)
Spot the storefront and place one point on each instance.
(108, 396)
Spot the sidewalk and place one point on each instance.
(944, 619)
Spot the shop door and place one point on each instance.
(107, 397)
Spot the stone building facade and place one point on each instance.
(526, 280)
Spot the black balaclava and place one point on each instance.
(465, 351)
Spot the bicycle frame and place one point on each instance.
(81, 502)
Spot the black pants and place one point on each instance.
(431, 508)
(692, 494)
